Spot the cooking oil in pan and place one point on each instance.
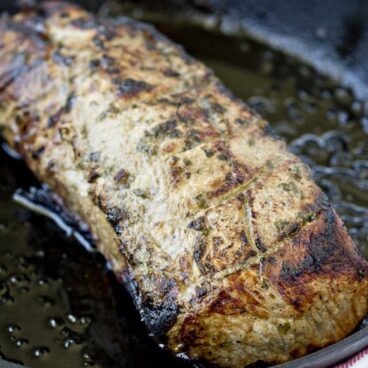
(59, 304)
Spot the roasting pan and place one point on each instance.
(323, 43)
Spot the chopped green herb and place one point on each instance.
(251, 142)
(289, 187)
(264, 284)
(284, 328)
(297, 173)
(270, 165)
(102, 116)
(208, 152)
(140, 193)
(281, 225)
(201, 201)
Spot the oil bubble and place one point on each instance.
(45, 300)
(69, 343)
(71, 318)
(21, 342)
(55, 322)
(12, 328)
(85, 320)
(41, 352)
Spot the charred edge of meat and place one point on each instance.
(198, 254)
(17, 71)
(270, 131)
(307, 215)
(115, 215)
(26, 29)
(131, 286)
(325, 256)
(122, 176)
(52, 202)
(322, 246)
(168, 128)
(159, 318)
(130, 87)
(48, 8)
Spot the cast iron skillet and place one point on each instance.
(320, 359)
(357, 341)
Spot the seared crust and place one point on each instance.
(231, 252)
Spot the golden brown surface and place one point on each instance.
(231, 252)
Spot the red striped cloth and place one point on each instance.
(358, 361)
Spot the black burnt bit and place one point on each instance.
(171, 73)
(114, 215)
(93, 176)
(36, 154)
(217, 108)
(98, 42)
(131, 87)
(94, 64)
(200, 292)
(198, 255)
(122, 176)
(123, 246)
(107, 61)
(198, 224)
(95, 156)
(53, 119)
(167, 128)
(159, 318)
(289, 229)
(250, 253)
(243, 238)
(259, 244)
(69, 102)
(61, 59)
(65, 109)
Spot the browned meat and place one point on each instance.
(231, 252)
